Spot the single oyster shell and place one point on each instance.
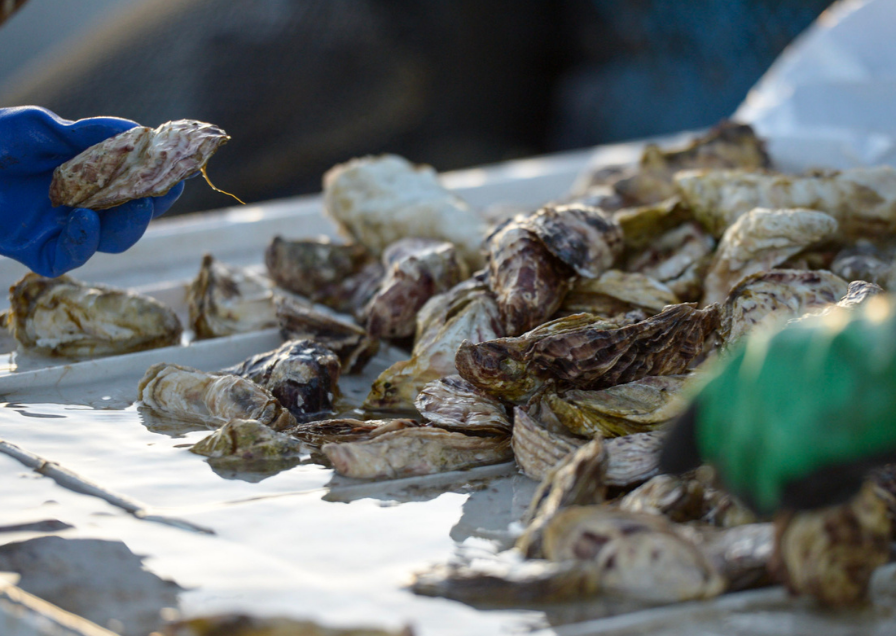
(348, 341)
(642, 225)
(248, 440)
(865, 261)
(314, 268)
(415, 451)
(466, 312)
(225, 300)
(677, 498)
(416, 270)
(510, 583)
(722, 509)
(831, 553)
(454, 404)
(538, 449)
(301, 374)
(861, 200)
(633, 459)
(208, 398)
(678, 259)
(578, 480)
(529, 282)
(64, 317)
(637, 555)
(772, 298)
(244, 625)
(581, 236)
(339, 431)
(858, 292)
(379, 200)
(622, 409)
(579, 351)
(617, 292)
(741, 554)
(759, 241)
(140, 162)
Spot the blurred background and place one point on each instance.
(301, 85)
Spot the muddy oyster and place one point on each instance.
(247, 440)
(339, 431)
(832, 552)
(416, 270)
(623, 409)
(415, 451)
(860, 199)
(454, 404)
(140, 162)
(616, 292)
(759, 241)
(466, 312)
(580, 351)
(208, 398)
(301, 374)
(538, 448)
(64, 317)
(638, 555)
(314, 268)
(678, 259)
(225, 300)
(770, 299)
(348, 341)
(379, 200)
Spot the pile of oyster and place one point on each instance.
(562, 338)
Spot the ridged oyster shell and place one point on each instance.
(140, 162)
(301, 374)
(225, 300)
(536, 448)
(454, 404)
(616, 292)
(340, 431)
(633, 459)
(760, 240)
(678, 259)
(65, 317)
(416, 270)
(246, 440)
(208, 398)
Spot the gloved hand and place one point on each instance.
(796, 420)
(52, 241)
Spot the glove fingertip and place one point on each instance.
(77, 242)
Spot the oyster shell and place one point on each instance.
(831, 553)
(315, 268)
(379, 200)
(616, 292)
(580, 351)
(225, 300)
(538, 449)
(678, 259)
(467, 312)
(742, 554)
(858, 292)
(247, 440)
(348, 341)
(339, 431)
(244, 625)
(454, 404)
(769, 299)
(759, 241)
(416, 270)
(578, 480)
(622, 409)
(301, 374)
(415, 451)
(633, 459)
(865, 261)
(581, 236)
(861, 199)
(529, 282)
(677, 498)
(637, 555)
(64, 317)
(140, 162)
(209, 398)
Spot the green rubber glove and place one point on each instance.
(795, 419)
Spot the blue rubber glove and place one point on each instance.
(52, 241)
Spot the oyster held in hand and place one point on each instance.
(65, 317)
(140, 162)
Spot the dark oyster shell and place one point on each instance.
(454, 404)
(416, 270)
(339, 431)
(301, 374)
(346, 340)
